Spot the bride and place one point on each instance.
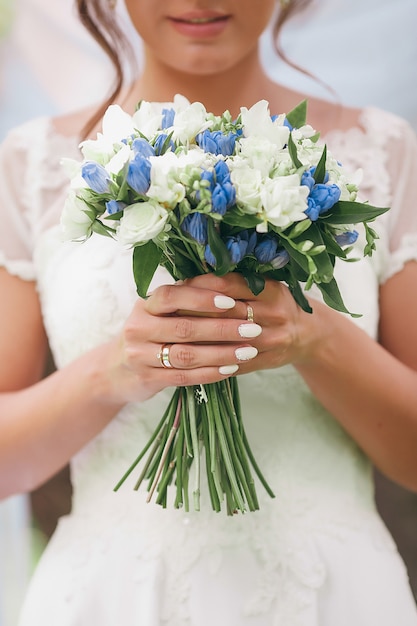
(324, 396)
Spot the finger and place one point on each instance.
(232, 284)
(192, 356)
(169, 299)
(192, 330)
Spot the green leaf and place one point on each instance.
(297, 293)
(297, 117)
(146, 259)
(346, 212)
(219, 250)
(236, 217)
(292, 149)
(331, 244)
(320, 171)
(333, 298)
(256, 282)
(322, 268)
(102, 229)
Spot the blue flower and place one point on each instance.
(143, 147)
(195, 224)
(113, 206)
(321, 198)
(217, 142)
(237, 248)
(222, 172)
(307, 178)
(223, 194)
(266, 249)
(222, 198)
(280, 259)
(347, 238)
(168, 116)
(209, 256)
(139, 174)
(251, 238)
(159, 143)
(96, 176)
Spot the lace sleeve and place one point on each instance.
(32, 187)
(16, 239)
(402, 218)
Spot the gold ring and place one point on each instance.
(249, 313)
(163, 355)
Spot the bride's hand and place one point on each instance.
(289, 335)
(206, 336)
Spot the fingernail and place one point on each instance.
(249, 330)
(246, 353)
(224, 302)
(228, 369)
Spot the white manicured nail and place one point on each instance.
(228, 369)
(224, 302)
(246, 354)
(249, 330)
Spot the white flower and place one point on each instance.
(117, 124)
(100, 150)
(189, 122)
(170, 174)
(257, 121)
(76, 219)
(248, 183)
(259, 152)
(284, 201)
(147, 119)
(118, 161)
(141, 222)
(304, 132)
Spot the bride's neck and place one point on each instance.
(227, 89)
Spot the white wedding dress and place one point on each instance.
(316, 555)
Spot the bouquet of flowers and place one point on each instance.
(199, 193)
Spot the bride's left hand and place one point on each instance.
(289, 335)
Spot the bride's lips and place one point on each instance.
(198, 24)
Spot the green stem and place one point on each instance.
(236, 402)
(155, 434)
(191, 404)
(213, 403)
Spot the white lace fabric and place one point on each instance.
(305, 557)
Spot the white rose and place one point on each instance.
(165, 187)
(257, 121)
(76, 219)
(248, 183)
(141, 222)
(284, 201)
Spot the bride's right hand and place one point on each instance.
(202, 329)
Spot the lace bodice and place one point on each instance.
(321, 479)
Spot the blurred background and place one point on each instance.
(364, 50)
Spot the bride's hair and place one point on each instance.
(98, 18)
